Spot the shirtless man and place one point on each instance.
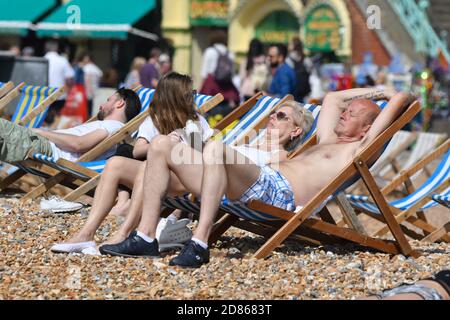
(349, 120)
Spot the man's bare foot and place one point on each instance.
(121, 209)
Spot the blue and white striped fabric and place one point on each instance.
(443, 198)
(96, 166)
(200, 99)
(441, 174)
(237, 208)
(259, 111)
(146, 96)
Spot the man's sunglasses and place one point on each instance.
(280, 115)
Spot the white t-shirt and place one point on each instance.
(59, 69)
(148, 131)
(211, 58)
(92, 76)
(110, 126)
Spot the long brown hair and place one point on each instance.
(173, 103)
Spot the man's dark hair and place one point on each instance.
(51, 45)
(132, 102)
(218, 36)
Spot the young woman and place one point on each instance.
(171, 108)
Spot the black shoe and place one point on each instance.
(192, 255)
(133, 246)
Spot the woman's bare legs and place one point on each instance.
(135, 212)
(118, 170)
(225, 171)
(123, 204)
(159, 180)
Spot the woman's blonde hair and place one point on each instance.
(138, 63)
(173, 103)
(303, 118)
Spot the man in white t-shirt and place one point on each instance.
(92, 76)
(16, 141)
(60, 73)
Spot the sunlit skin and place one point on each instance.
(337, 145)
(130, 173)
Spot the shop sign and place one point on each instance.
(209, 13)
(322, 29)
(278, 27)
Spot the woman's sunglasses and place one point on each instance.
(281, 116)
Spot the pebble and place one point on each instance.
(28, 270)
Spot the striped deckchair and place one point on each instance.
(33, 103)
(233, 138)
(425, 144)
(437, 186)
(443, 198)
(278, 224)
(85, 172)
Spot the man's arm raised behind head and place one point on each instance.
(336, 102)
(395, 107)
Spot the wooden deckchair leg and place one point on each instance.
(427, 228)
(349, 214)
(326, 216)
(439, 233)
(221, 226)
(13, 177)
(39, 190)
(383, 206)
(83, 189)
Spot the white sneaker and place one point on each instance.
(72, 247)
(172, 234)
(55, 204)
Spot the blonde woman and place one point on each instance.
(133, 79)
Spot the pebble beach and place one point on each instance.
(29, 270)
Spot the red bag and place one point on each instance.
(76, 104)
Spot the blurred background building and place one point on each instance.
(351, 42)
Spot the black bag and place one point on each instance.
(302, 87)
(224, 70)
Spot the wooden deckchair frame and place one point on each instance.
(303, 218)
(6, 88)
(431, 233)
(10, 96)
(112, 140)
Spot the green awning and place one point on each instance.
(17, 16)
(97, 19)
